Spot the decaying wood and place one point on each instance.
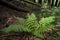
(32, 3)
(13, 6)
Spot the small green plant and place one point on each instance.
(32, 25)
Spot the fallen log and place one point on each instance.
(29, 2)
(13, 6)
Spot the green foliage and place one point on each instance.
(32, 25)
(45, 23)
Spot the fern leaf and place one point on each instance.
(32, 25)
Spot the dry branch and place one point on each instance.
(13, 6)
(32, 3)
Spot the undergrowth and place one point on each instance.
(32, 25)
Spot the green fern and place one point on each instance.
(32, 25)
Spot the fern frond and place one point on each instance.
(32, 25)
(21, 20)
(47, 20)
(31, 17)
(14, 27)
(45, 23)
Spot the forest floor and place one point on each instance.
(5, 14)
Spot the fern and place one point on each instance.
(32, 25)
(14, 27)
(45, 23)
